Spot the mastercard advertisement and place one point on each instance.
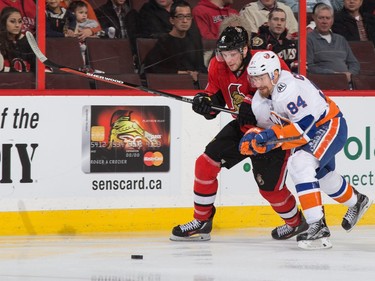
(119, 139)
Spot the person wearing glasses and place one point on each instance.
(177, 51)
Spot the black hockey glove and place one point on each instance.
(202, 104)
(245, 113)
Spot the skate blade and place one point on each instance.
(322, 243)
(364, 210)
(195, 237)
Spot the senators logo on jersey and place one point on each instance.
(236, 95)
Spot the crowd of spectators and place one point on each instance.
(180, 30)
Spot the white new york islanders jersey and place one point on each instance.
(262, 111)
(295, 97)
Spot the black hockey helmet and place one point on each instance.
(232, 38)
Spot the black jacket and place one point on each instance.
(346, 25)
(154, 20)
(107, 17)
(285, 48)
(171, 54)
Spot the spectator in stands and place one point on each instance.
(154, 17)
(354, 23)
(177, 52)
(79, 10)
(118, 20)
(156, 20)
(60, 22)
(209, 14)
(294, 4)
(87, 32)
(27, 9)
(16, 53)
(255, 15)
(329, 52)
(273, 36)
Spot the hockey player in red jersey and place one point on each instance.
(319, 130)
(228, 85)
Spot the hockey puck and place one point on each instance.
(137, 257)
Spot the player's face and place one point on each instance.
(324, 21)
(81, 14)
(233, 59)
(263, 83)
(14, 23)
(277, 24)
(182, 19)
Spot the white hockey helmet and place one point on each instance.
(264, 62)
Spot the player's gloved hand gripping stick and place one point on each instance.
(34, 46)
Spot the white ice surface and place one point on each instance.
(241, 254)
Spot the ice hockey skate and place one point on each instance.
(194, 230)
(355, 213)
(316, 236)
(286, 231)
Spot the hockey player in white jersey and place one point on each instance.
(315, 123)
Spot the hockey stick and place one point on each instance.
(47, 62)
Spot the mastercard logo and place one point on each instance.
(153, 158)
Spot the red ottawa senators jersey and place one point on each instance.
(234, 89)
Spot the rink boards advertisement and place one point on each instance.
(97, 152)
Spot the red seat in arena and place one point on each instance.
(363, 82)
(169, 81)
(65, 51)
(365, 53)
(335, 81)
(113, 56)
(66, 81)
(17, 80)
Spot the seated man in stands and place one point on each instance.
(354, 23)
(177, 52)
(118, 20)
(255, 14)
(328, 52)
(155, 20)
(274, 37)
(154, 17)
(209, 14)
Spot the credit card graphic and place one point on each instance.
(117, 139)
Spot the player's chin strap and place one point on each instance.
(98, 77)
